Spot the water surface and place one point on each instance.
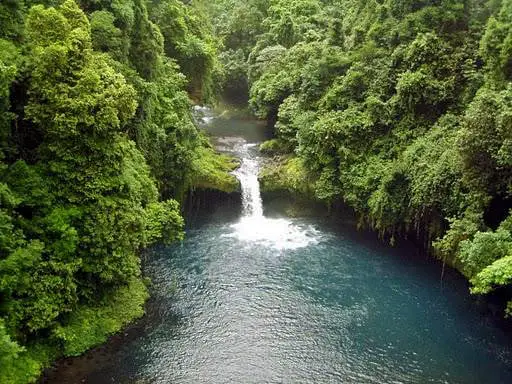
(269, 299)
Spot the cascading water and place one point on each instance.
(203, 115)
(247, 174)
(253, 226)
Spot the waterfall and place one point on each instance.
(247, 174)
(253, 228)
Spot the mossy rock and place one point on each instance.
(212, 170)
(286, 174)
(275, 147)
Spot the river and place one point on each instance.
(263, 298)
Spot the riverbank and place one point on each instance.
(285, 176)
(72, 369)
(86, 328)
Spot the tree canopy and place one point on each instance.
(399, 109)
(98, 148)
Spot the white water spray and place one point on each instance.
(247, 174)
(254, 227)
(203, 115)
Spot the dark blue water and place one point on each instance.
(279, 300)
(341, 309)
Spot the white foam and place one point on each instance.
(201, 108)
(203, 115)
(253, 227)
(274, 233)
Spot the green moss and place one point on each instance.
(91, 326)
(275, 147)
(85, 328)
(286, 174)
(211, 170)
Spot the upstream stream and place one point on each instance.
(263, 298)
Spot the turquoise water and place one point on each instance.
(341, 309)
(268, 299)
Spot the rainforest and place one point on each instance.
(397, 113)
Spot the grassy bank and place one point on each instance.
(83, 329)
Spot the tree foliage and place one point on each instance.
(400, 109)
(97, 145)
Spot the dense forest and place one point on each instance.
(399, 109)
(98, 148)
